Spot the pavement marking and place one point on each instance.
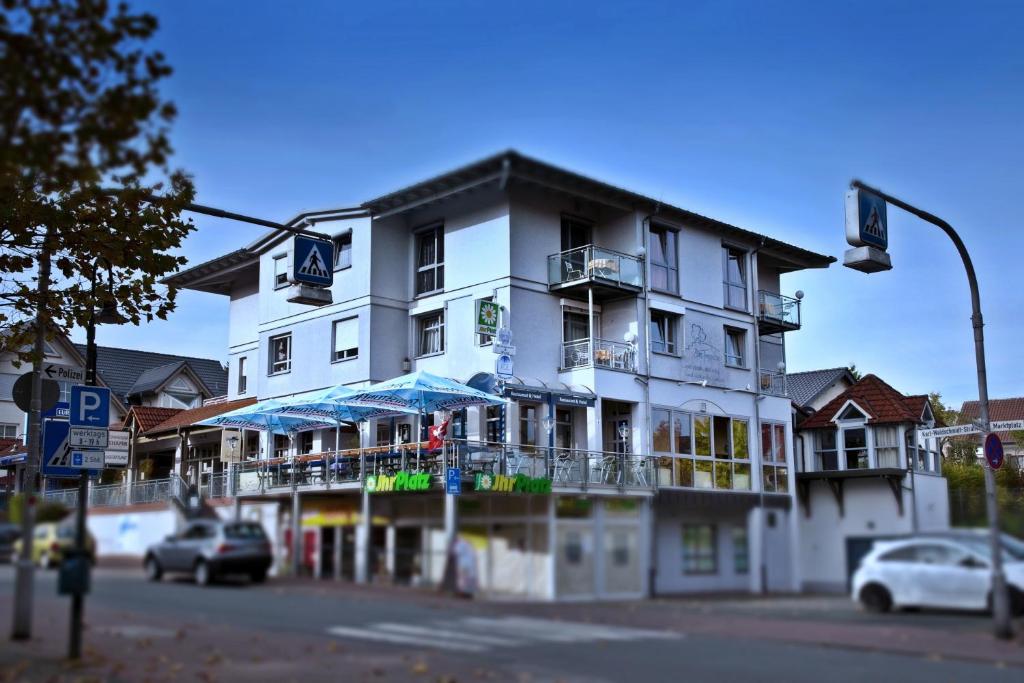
(402, 639)
(479, 634)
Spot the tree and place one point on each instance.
(852, 367)
(83, 152)
(947, 415)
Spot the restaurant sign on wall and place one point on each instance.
(520, 483)
(400, 481)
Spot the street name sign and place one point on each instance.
(866, 221)
(64, 373)
(955, 430)
(994, 451)
(1006, 425)
(90, 406)
(88, 437)
(87, 460)
(487, 314)
(312, 261)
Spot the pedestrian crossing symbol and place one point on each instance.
(866, 221)
(313, 261)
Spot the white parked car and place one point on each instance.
(934, 571)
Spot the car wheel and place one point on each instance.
(875, 598)
(153, 569)
(258, 576)
(202, 574)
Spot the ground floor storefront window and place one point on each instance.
(701, 451)
(700, 549)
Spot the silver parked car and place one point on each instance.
(210, 548)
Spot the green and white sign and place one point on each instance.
(401, 481)
(487, 315)
(520, 483)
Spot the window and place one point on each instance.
(855, 450)
(663, 332)
(305, 440)
(773, 457)
(563, 428)
(8, 431)
(346, 339)
(280, 271)
(527, 424)
(664, 265)
(825, 455)
(735, 347)
(699, 551)
(740, 550)
(65, 391)
(495, 430)
(701, 451)
(243, 379)
(280, 445)
(735, 283)
(280, 353)
(430, 261)
(887, 446)
(430, 334)
(343, 251)
(458, 426)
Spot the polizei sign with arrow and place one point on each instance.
(312, 261)
(64, 373)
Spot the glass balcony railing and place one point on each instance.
(777, 313)
(602, 354)
(597, 265)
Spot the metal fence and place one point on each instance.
(602, 353)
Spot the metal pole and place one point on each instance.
(1000, 602)
(21, 629)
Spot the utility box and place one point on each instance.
(73, 576)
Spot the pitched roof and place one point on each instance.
(804, 387)
(188, 417)
(998, 409)
(149, 416)
(154, 378)
(121, 368)
(882, 403)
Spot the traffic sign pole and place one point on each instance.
(1000, 597)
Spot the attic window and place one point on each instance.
(852, 413)
(181, 384)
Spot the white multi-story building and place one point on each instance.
(640, 328)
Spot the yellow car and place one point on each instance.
(52, 540)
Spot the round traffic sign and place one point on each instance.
(22, 392)
(994, 451)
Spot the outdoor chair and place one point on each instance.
(565, 463)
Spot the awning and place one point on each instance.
(12, 460)
(529, 389)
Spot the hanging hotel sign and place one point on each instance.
(520, 483)
(487, 314)
(400, 481)
(525, 394)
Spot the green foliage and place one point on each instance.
(852, 367)
(83, 145)
(947, 415)
(966, 483)
(46, 511)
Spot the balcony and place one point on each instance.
(772, 383)
(606, 271)
(602, 354)
(777, 313)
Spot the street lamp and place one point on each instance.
(867, 232)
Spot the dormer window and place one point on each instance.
(852, 413)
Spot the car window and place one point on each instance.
(938, 554)
(41, 532)
(246, 530)
(198, 531)
(67, 531)
(907, 553)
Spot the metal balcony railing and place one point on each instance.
(602, 353)
(777, 313)
(773, 383)
(590, 263)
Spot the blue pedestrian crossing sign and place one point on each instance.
(58, 457)
(453, 481)
(866, 220)
(312, 261)
(90, 406)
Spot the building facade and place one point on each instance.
(639, 329)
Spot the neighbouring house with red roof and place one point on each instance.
(864, 472)
(1000, 410)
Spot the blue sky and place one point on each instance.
(755, 113)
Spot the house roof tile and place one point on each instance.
(804, 387)
(120, 369)
(998, 409)
(882, 403)
(149, 417)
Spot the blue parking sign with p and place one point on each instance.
(90, 406)
(312, 261)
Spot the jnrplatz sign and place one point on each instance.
(401, 481)
(519, 483)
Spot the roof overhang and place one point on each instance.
(217, 275)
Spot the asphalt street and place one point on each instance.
(658, 640)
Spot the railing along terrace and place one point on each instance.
(590, 262)
(603, 354)
(773, 383)
(777, 308)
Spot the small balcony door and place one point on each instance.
(576, 234)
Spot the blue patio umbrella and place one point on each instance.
(259, 417)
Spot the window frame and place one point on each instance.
(693, 559)
(271, 363)
(671, 266)
(334, 340)
(420, 330)
(4, 427)
(686, 468)
(669, 333)
(728, 285)
(339, 241)
(436, 233)
(728, 331)
(243, 376)
(281, 283)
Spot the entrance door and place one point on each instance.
(327, 546)
(618, 427)
(575, 233)
(574, 564)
